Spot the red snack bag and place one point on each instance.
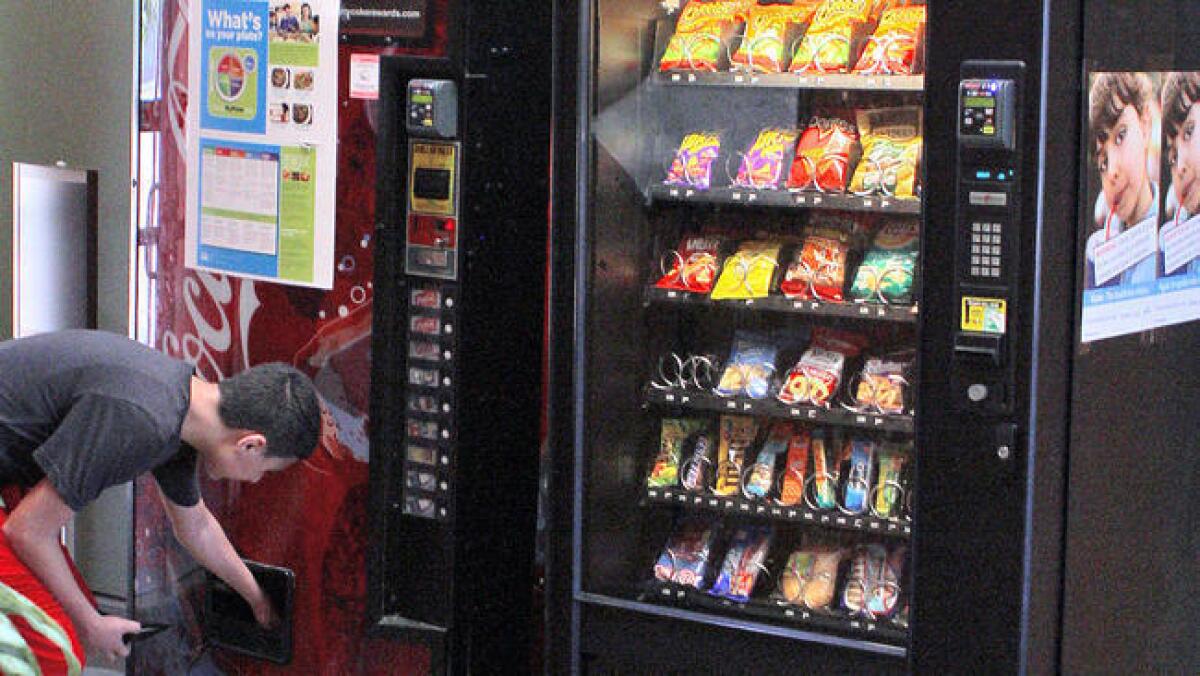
(818, 268)
(816, 377)
(828, 148)
(694, 265)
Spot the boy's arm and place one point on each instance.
(32, 530)
(198, 531)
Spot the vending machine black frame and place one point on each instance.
(464, 583)
(992, 487)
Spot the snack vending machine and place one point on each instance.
(462, 192)
(835, 347)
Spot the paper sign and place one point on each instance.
(1125, 250)
(1181, 244)
(984, 315)
(364, 76)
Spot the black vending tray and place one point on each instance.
(229, 621)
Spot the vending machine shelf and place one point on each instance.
(783, 199)
(776, 303)
(834, 81)
(702, 400)
(766, 509)
(892, 632)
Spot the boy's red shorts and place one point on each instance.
(16, 575)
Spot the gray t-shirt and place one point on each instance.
(89, 410)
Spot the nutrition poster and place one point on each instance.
(1141, 225)
(262, 139)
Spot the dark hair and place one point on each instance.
(1111, 92)
(277, 401)
(1179, 92)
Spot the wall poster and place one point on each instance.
(1142, 214)
(263, 138)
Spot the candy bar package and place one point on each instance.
(883, 383)
(827, 461)
(750, 367)
(892, 48)
(737, 435)
(675, 432)
(771, 28)
(750, 272)
(816, 377)
(791, 484)
(693, 163)
(818, 267)
(697, 466)
(859, 476)
(886, 272)
(763, 164)
(761, 478)
(827, 45)
(891, 139)
(684, 559)
(744, 560)
(703, 33)
(694, 265)
(889, 487)
(827, 149)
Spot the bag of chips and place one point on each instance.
(818, 268)
(762, 165)
(809, 577)
(873, 583)
(750, 367)
(737, 436)
(770, 29)
(886, 272)
(694, 265)
(684, 559)
(703, 33)
(827, 150)
(675, 431)
(761, 478)
(891, 139)
(836, 27)
(892, 48)
(743, 562)
(816, 377)
(750, 272)
(882, 384)
(692, 166)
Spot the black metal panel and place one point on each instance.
(619, 641)
(978, 556)
(1130, 596)
(464, 582)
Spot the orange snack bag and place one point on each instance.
(770, 31)
(892, 48)
(703, 31)
(827, 44)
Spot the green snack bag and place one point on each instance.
(886, 273)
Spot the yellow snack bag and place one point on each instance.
(891, 140)
(749, 272)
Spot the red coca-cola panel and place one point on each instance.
(311, 518)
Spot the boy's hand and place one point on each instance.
(105, 635)
(264, 611)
